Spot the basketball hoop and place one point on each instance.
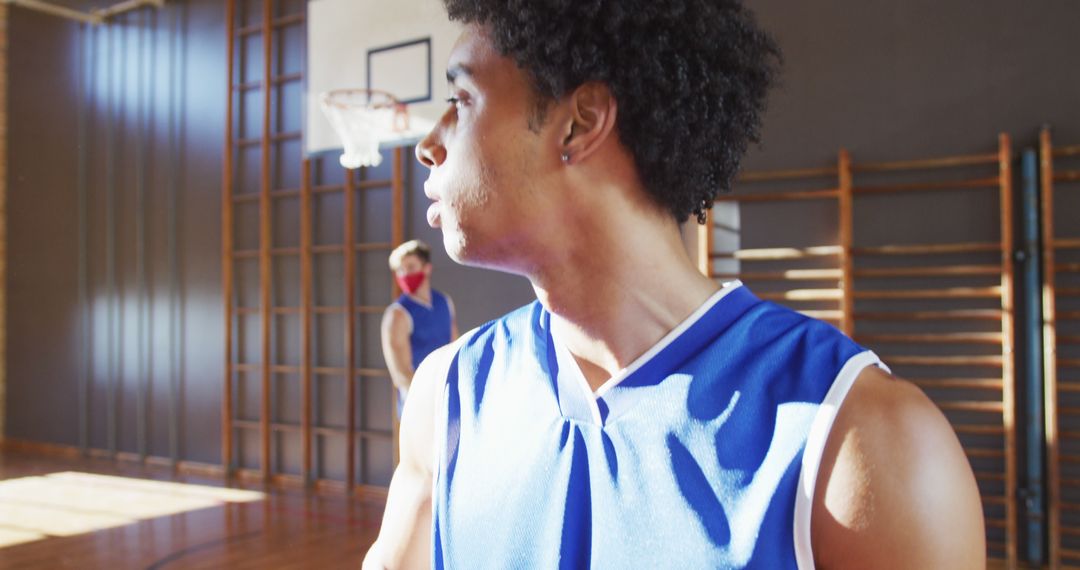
(362, 118)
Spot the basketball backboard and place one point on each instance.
(400, 47)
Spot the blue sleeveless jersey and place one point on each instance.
(431, 328)
(701, 454)
(430, 324)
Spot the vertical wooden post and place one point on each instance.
(306, 311)
(1049, 331)
(227, 246)
(3, 211)
(350, 331)
(846, 215)
(1008, 334)
(397, 227)
(265, 237)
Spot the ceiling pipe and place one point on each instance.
(95, 17)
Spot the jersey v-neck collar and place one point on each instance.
(421, 302)
(577, 399)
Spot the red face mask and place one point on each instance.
(410, 282)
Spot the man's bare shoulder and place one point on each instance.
(895, 489)
(396, 316)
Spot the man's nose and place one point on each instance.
(430, 152)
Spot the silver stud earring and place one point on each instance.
(566, 157)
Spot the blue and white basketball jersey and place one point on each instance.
(430, 324)
(431, 328)
(703, 453)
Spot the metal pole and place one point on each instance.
(1032, 271)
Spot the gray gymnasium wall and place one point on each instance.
(890, 80)
(887, 80)
(176, 161)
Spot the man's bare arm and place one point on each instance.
(405, 537)
(396, 327)
(895, 489)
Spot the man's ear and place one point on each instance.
(592, 121)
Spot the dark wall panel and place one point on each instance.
(152, 156)
(921, 78)
(42, 230)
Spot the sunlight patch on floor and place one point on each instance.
(71, 503)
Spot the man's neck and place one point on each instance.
(612, 300)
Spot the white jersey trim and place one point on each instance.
(670, 337)
(395, 306)
(815, 448)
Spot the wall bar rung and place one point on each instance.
(981, 430)
(282, 22)
(779, 253)
(374, 246)
(803, 295)
(989, 183)
(930, 271)
(951, 315)
(947, 293)
(826, 194)
(274, 138)
(928, 248)
(1063, 151)
(949, 162)
(279, 80)
(932, 338)
(1064, 243)
(985, 407)
(975, 360)
(790, 174)
(1067, 176)
(787, 275)
(958, 383)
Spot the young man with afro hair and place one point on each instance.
(638, 415)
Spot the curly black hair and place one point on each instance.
(690, 78)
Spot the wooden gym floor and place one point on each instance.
(87, 513)
(94, 513)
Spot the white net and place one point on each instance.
(362, 119)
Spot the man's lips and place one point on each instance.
(433, 215)
(433, 211)
(430, 192)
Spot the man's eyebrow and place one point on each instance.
(457, 70)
